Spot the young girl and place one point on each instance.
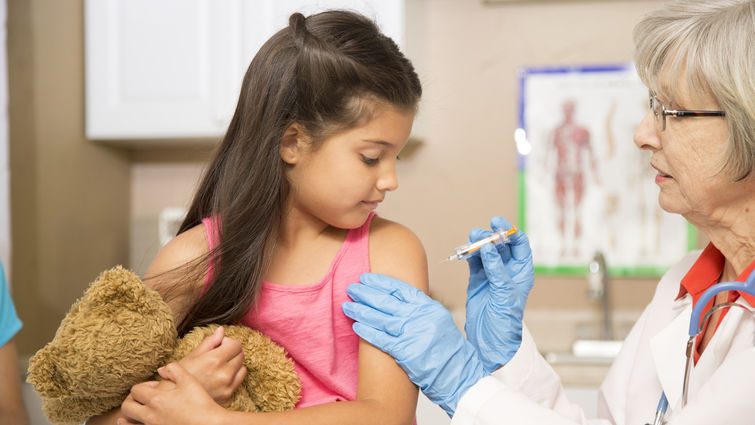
(283, 222)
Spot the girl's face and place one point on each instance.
(348, 174)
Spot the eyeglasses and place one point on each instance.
(660, 112)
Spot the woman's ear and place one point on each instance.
(292, 144)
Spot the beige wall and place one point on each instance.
(76, 203)
(469, 53)
(69, 196)
(160, 179)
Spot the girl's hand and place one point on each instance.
(179, 400)
(218, 365)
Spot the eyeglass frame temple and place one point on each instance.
(680, 113)
(691, 113)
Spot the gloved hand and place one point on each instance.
(419, 333)
(500, 279)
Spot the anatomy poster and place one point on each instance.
(584, 185)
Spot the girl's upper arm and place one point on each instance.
(169, 275)
(395, 251)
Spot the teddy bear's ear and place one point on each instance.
(44, 374)
(116, 335)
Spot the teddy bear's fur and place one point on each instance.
(119, 333)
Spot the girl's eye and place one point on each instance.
(369, 161)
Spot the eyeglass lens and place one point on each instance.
(657, 107)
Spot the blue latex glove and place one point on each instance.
(419, 333)
(500, 279)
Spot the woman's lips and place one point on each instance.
(661, 176)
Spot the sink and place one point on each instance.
(587, 349)
(597, 348)
(587, 352)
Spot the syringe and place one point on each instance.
(465, 251)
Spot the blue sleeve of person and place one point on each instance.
(9, 321)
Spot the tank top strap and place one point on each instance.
(212, 230)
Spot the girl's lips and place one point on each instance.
(371, 204)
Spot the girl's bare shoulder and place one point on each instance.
(397, 251)
(170, 264)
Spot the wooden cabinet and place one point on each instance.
(172, 69)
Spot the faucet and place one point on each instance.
(598, 289)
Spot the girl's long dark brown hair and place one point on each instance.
(315, 72)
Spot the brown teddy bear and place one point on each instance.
(120, 332)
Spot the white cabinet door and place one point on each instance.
(158, 69)
(173, 68)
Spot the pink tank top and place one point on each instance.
(309, 323)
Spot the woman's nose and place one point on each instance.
(646, 134)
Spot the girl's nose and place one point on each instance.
(388, 180)
(646, 135)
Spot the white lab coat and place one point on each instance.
(722, 385)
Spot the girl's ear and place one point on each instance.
(292, 144)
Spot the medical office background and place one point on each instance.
(78, 206)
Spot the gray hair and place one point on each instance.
(715, 41)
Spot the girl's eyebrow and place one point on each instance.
(378, 142)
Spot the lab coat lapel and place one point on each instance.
(668, 347)
(724, 342)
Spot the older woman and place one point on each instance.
(698, 60)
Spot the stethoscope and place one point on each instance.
(695, 327)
